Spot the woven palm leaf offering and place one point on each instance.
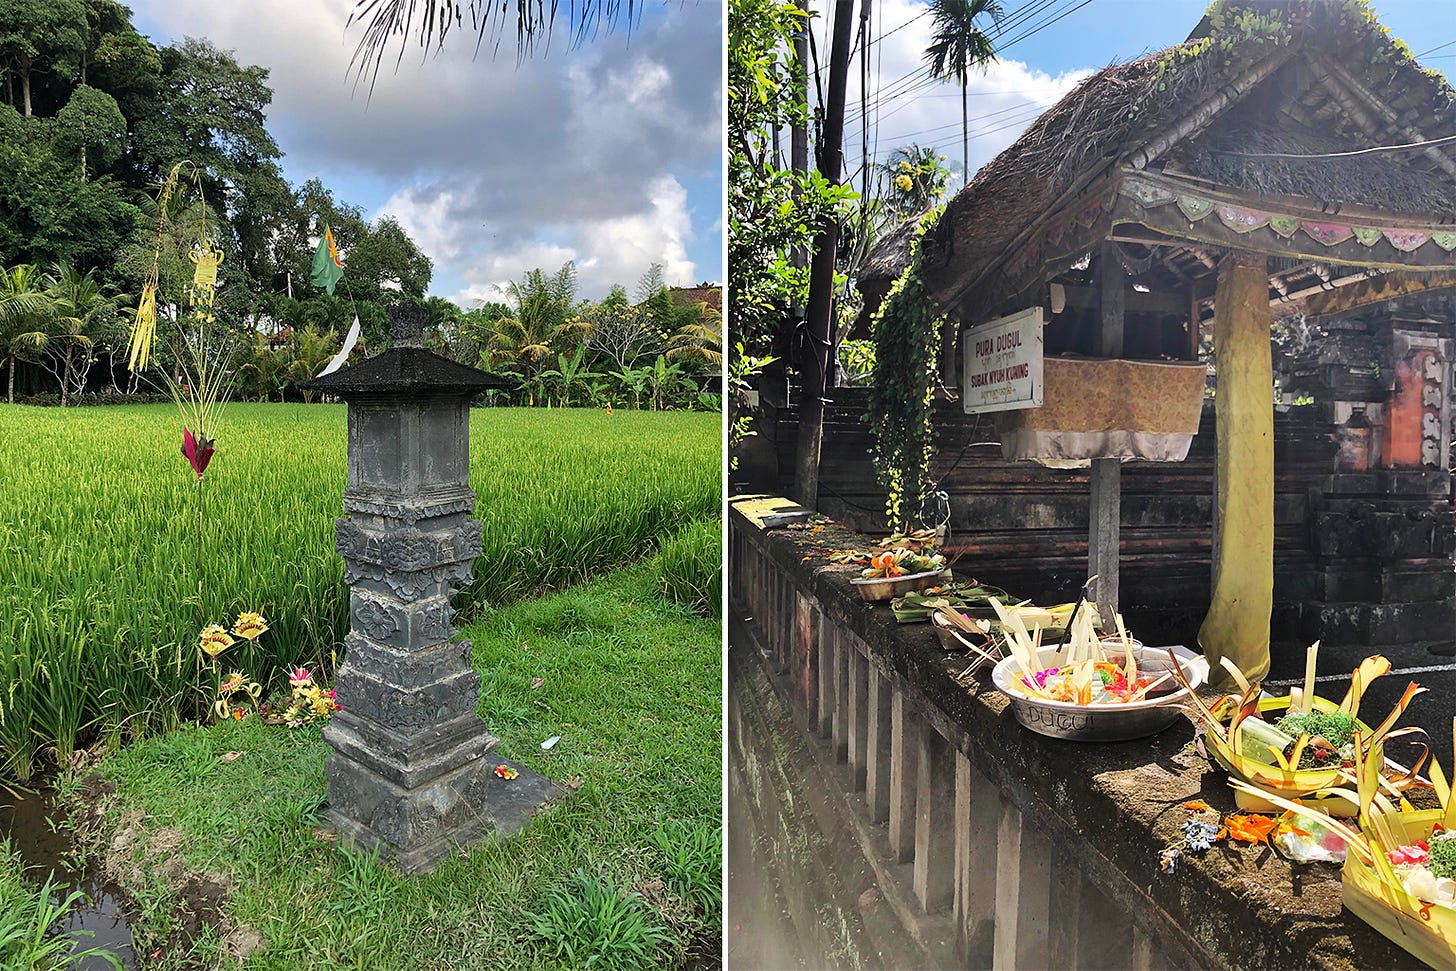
(896, 565)
(1399, 874)
(970, 597)
(1299, 745)
(1090, 688)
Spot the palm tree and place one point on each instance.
(700, 340)
(309, 353)
(956, 46)
(82, 313)
(544, 318)
(25, 311)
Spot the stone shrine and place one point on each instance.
(408, 773)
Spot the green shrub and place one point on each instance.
(689, 567)
(693, 854)
(591, 924)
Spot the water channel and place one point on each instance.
(27, 818)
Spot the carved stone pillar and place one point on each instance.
(407, 773)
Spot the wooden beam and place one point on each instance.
(1344, 85)
(1198, 117)
(1105, 488)
(1088, 298)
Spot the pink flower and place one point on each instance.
(197, 451)
(1417, 854)
(300, 677)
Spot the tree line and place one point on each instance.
(93, 116)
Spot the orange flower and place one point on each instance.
(1250, 829)
(1197, 805)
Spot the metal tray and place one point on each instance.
(882, 588)
(1103, 723)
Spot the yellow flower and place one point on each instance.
(903, 183)
(250, 626)
(904, 166)
(214, 641)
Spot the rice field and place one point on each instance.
(101, 550)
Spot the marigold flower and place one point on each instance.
(1248, 828)
(214, 640)
(239, 714)
(903, 183)
(250, 626)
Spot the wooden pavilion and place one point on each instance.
(1290, 157)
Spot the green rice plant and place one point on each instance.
(689, 567)
(99, 602)
(28, 918)
(692, 854)
(589, 923)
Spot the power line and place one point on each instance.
(1359, 151)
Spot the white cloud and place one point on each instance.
(426, 220)
(607, 251)
(906, 106)
(484, 160)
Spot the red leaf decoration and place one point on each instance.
(197, 451)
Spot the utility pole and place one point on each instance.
(814, 361)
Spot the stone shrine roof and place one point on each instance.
(405, 370)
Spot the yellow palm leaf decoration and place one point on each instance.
(144, 330)
(1277, 773)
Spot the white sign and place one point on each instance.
(1003, 364)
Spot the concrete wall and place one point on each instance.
(908, 821)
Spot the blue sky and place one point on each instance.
(608, 155)
(1059, 44)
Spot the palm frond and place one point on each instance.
(389, 23)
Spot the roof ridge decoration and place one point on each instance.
(1143, 194)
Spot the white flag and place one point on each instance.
(343, 355)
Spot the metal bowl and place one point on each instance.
(888, 588)
(1102, 723)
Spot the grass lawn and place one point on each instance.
(222, 820)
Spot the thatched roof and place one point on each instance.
(1334, 81)
(707, 294)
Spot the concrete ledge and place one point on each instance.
(1106, 809)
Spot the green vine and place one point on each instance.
(906, 332)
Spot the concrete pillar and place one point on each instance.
(934, 871)
(877, 747)
(1023, 895)
(905, 729)
(858, 709)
